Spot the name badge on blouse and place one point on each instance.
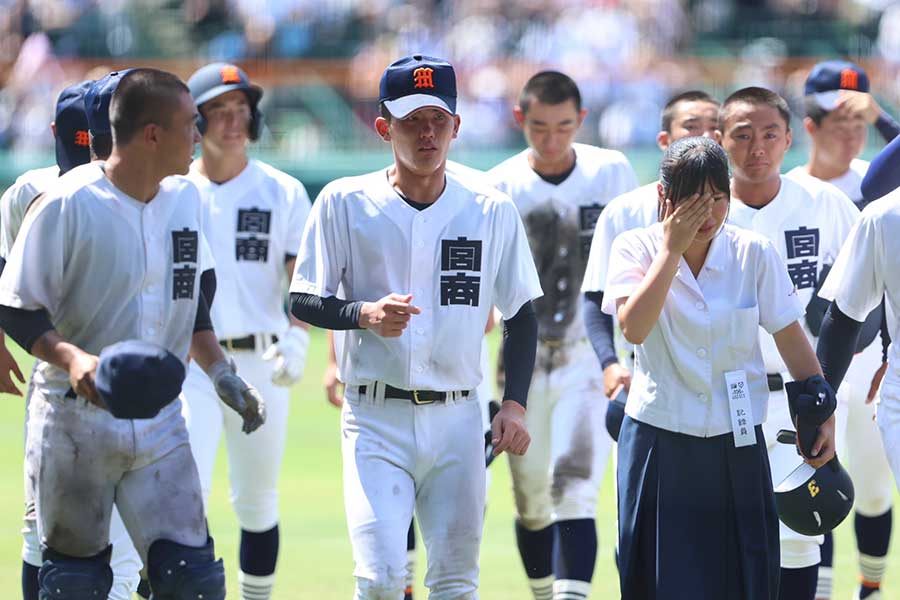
(740, 409)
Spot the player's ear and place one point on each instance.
(809, 125)
(581, 116)
(150, 134)
(53, 128)
(456, 122)
(662, 140)
(519, 115)
(788, 138)
(716, 136)
(382, 127)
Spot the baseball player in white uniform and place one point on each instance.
(115, 252)
(253, 218)
(807, 221)
(839, 109)
(864, 275)
(688, 114)
(420, 257)
(70, 129)
(334, 390)
(560, 189)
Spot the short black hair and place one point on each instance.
(101, 146)
(384, 112)
(549, 87)
(814, 110)
(668, 113)
(143, 96)
(689, 163)
(758, 96)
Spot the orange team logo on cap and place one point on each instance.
(849, 79)
(422, 77)
(82, 138)
(230, 74)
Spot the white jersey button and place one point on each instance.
(700, 305)
(701, 352)
(701, 397)
(420, 368)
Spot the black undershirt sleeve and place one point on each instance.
(600, 329)
(885, 334)
(887, 127)
(208, 286)
(327, 313)
(24, 326)
(837, 340)
(519, 350)
(2, 264)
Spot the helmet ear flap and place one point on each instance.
(256, 123)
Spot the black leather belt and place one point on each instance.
(776, 382)
(414, 396)
(244, 343)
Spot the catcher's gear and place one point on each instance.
(238, 394)
(179, 572)
(136, 379)
(811, 402)
(219, 78)
(289, 354)
(63, 577)
(813, 501)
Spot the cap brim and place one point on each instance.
(828, 100)
(402, 107)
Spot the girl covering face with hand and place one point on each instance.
(696, 507)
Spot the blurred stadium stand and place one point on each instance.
(320, 61)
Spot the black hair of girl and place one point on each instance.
(688, 164)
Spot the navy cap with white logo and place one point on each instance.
(418, 81)
(71, 125)
(827, 79)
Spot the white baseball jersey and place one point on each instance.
(560, 221)
(850, 182)
(458, 257)
(16, 199)
(107, 267)
(633, 210)
(252, 222)
(808, 222)
(707, 327)
(866, 270)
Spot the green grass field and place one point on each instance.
(315, 559)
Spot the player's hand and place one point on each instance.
(681, 223)
(876, 382)
(289, 354)
(239, 395)
(389, 316)
(82, 370)
(823, 449)
(508, 429)
(615, 375)
(851, 102)
(8, 368)
(334, 389)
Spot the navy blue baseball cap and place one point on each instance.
(73, 144)
(136, 379)
(417, 81)
(827, 79)
(97, 100)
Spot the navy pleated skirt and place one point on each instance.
(697, 517)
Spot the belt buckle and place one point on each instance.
(415, 395)
(229, 344)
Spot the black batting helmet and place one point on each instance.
(219, 78)
(815, 501)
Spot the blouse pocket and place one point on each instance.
(743, 331)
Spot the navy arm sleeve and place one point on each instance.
(24, 326)
(837, 339)
(203, 320)
(887, 127)
(600, 329)
(327, 313)
(519, 351)
(883, 176)
(885, 334)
